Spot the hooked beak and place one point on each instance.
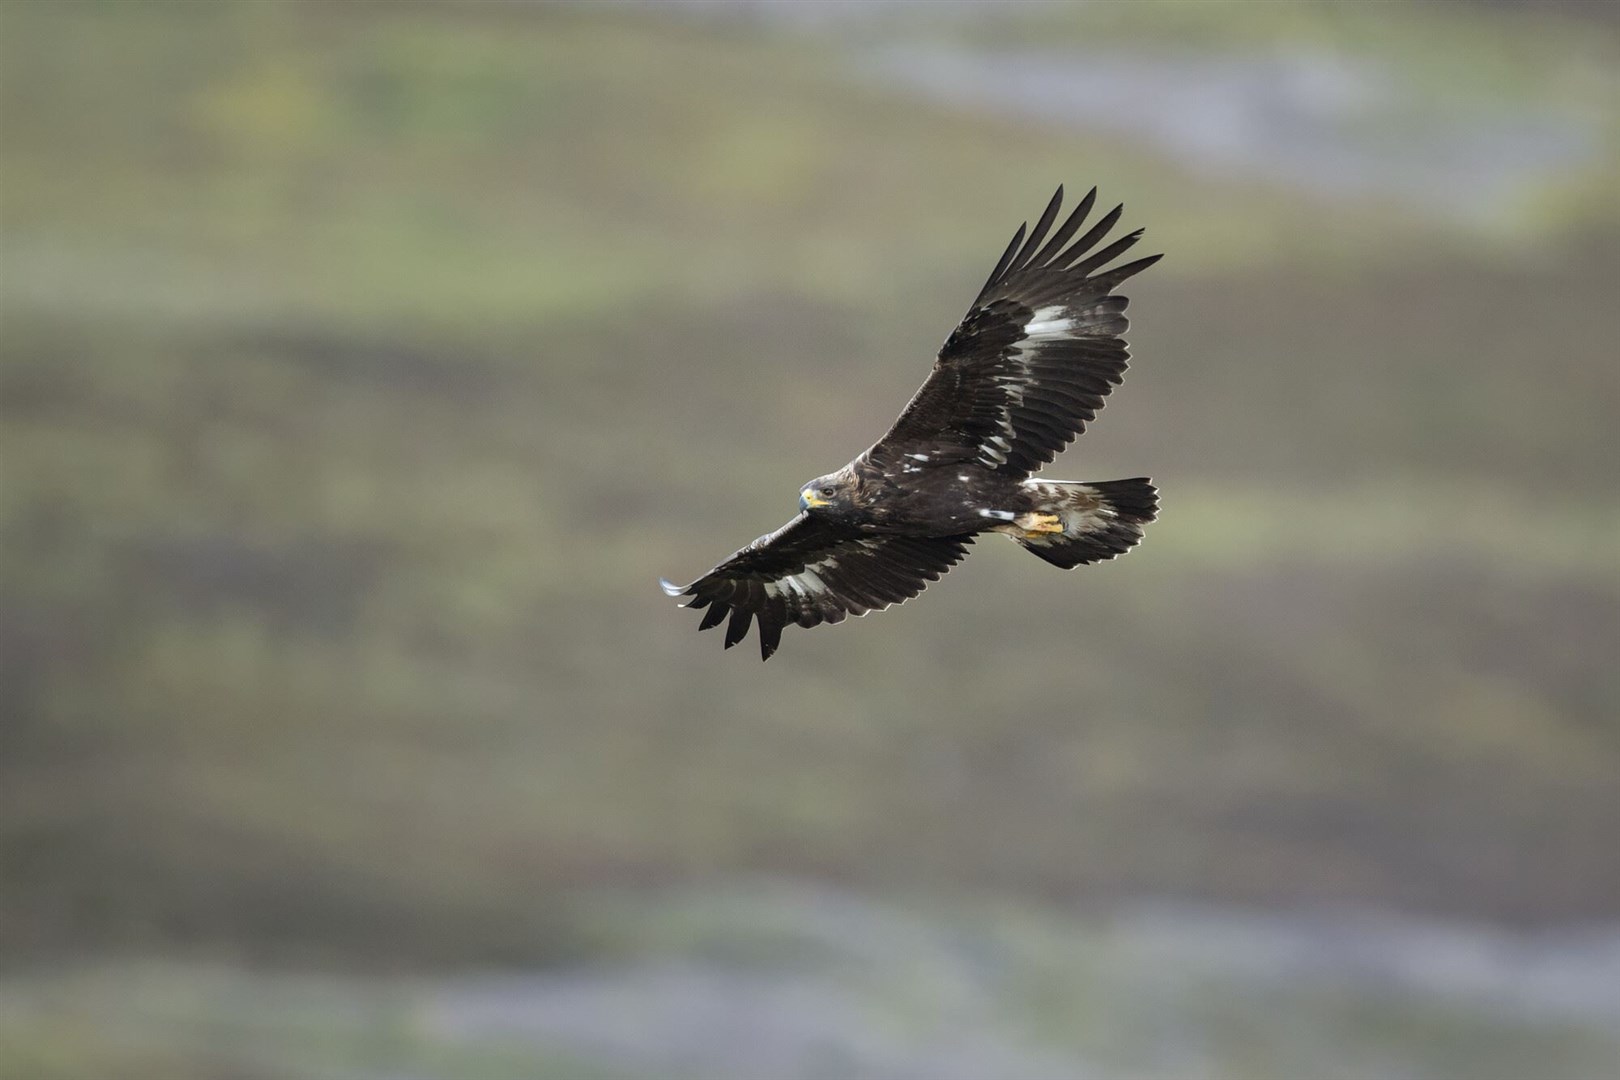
(809, 500)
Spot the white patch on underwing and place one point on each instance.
(999, 515)
(1012, 381)
(1048, 322)
(918, 457)
(806, 582)
(993, 451)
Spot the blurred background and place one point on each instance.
(365, 364)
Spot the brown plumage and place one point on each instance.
(1028, 367)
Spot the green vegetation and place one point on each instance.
(363, 366)
(178, 1023)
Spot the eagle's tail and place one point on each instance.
(1095, 520)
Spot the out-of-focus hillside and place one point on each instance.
(792, 980)
(365, 365)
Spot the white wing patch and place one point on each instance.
(1046, 324)
(806, 582)
(809, 582)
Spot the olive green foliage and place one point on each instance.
(364, 365)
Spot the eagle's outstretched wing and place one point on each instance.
(1033, 359)
(810, 571)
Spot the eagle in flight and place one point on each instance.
(1017, 380)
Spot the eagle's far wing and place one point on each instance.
(1034, 358)
(810, 572)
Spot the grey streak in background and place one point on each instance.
(1315, 121)
(791, 981)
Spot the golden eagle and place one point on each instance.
(1039, 350)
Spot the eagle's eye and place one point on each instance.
(826, 492)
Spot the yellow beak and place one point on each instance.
(809, 500)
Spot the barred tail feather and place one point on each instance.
(1100, 519)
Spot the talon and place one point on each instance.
(1039, 524)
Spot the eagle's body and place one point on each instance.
(925, 498)
(1017, 380)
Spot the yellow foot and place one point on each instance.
(1039, 524)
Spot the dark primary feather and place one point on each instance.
(809, 572)
(1069, 227)
(993, 382)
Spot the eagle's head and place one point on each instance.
(829, 495)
